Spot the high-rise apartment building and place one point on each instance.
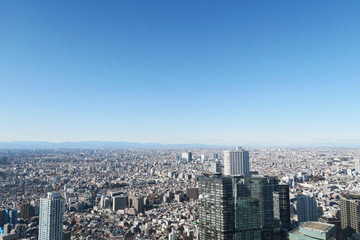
(51, 217)
(238, 207)
(357, 165)
(306, 208)
(350, 214)
(236, 162)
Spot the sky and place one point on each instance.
(271, 73)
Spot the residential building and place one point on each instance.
(306, 208)
(51, 217)
(350, 214)
(236, 162)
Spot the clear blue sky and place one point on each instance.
(213, 72)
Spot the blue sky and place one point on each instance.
(213, 72)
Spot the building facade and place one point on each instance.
(236, 162)
(51, 217)
(237, 207)
(119, 202)
(357, 165)
(216, 206)
(306, 208)
(254, 208)
(350, 214)
(283, 202)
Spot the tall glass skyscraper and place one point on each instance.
(254, 208)
(51, 217)
(238, 207)
(216, 208)
(236, 162)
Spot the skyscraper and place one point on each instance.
(51, 217)
(238, 207)
(357, 165)
(306, 208)
(26, 211)
(8, 216)
(236, 162)
(284, 204)
(216, 208)
(350, 214)
(254, 208)
(119, 202)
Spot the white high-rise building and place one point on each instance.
(51, 217)
(236, 162)
(357, 165)
(306, 207)
(186, 156)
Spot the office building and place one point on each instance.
(254, 208)
(51, 217)
(216, 208)
(8, 216)
(282, 201)
(215, 167)
(3, 218)
(236, 162)
(237, 207)
(306, 208)
(313, 231)
(350, 214)
(26, 211)
(105, 202)
(119, 202)
(137, 203)
(186, 156)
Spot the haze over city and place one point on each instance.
(256, 73)
(179, 120)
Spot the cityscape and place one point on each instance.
(179, 120)
(205, 193)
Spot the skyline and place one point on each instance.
(243, 73)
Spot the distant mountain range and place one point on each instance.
(97, 144)
(125, 145)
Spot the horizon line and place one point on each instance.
(251, 145)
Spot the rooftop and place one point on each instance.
(317, 226)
